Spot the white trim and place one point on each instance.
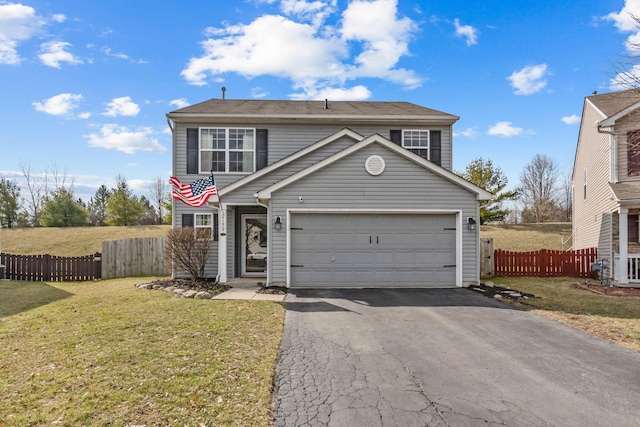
(265, 194)
(456, 212)
(623, 241)
(373, 159)
(290, 158)
(222, 242)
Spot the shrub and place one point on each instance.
(188, 249)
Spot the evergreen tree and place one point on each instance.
(9, 203)
(62, 210)
(123, 208)
(98, 207)
(483, 174)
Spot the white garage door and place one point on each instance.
(372, 250)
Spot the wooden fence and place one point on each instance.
(51, 268)
(545, 263)
(142, 256)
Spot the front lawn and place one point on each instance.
(107, 353)
(614, 318)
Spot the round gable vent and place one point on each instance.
(374, 165)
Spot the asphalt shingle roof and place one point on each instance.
(614, 102)
(309, 108)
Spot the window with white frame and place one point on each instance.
(584, 185)
(204, 222)
(416, 141)
(227, 150)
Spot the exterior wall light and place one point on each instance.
(471, 223)
(278, 224)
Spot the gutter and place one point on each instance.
(614, 150)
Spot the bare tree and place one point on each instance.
(157, 196)
(188, 249)
(37, 190)
(538, 189)
(566, 192)
(60, 178)
(626, 71)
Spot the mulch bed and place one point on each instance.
(490, 290)
(609, 290)
(208, 285)
(273, 290)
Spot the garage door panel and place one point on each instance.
(362, 250)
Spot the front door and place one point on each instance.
(254, 245)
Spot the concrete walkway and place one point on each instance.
(245, 289)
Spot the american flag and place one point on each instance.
(195, 194)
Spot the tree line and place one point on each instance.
(48, 200)
(543, 194)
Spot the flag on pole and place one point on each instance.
(195, 194)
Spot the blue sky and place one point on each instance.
(85, 85)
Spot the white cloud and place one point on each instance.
(468, 133)
(179, 103)
(114, 137)
(315, 12)
(571, 120)
(17, 23)
(258, 92)
(466, 31)
(530, 79)
(122, 106)
(59, 105)
(107, 51)
(625, 22)
(313, 56)
(59, 17)
(627, 79)
(52, 53)
(504, 129)
(84, 115)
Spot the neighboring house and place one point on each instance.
(606, 182)
(327, 194)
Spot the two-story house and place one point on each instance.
(329, 194)
(606, 182)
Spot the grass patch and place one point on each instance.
(527, 237)
(110, 354)
(613, 318)
(71, 241)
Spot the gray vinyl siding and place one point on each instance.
(179, 208)
(591, 227)
(346, 184)
(286, 139)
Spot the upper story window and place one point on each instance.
(416, 141)
(227, 150)
(633, 153)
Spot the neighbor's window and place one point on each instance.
(633, 153)
(584, 184)
(416, 141)
(227, 150)
(632, 228)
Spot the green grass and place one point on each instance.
(528, 237)
(108, 354)
(71, 241)
(615, 318)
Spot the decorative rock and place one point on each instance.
(497, 296)
(178, 292)
(157, 286)
(189, 294)
(145, 286)
(170, 288)
(203, 295)
(489, 284)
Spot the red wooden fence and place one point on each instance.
(545, 263)
(52, 268)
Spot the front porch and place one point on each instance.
(626, 246)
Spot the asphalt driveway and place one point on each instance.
(444, 357)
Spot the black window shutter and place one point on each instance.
(215, 227)
(187, 220)
(192, 151)
(435, 147)
(262, 148)
(396, 136)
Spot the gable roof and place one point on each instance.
(351, 111)
(290, 158)
(614, 105)
(626, 192)
(265, 193)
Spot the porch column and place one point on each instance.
(623, 239)
(222, 242)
